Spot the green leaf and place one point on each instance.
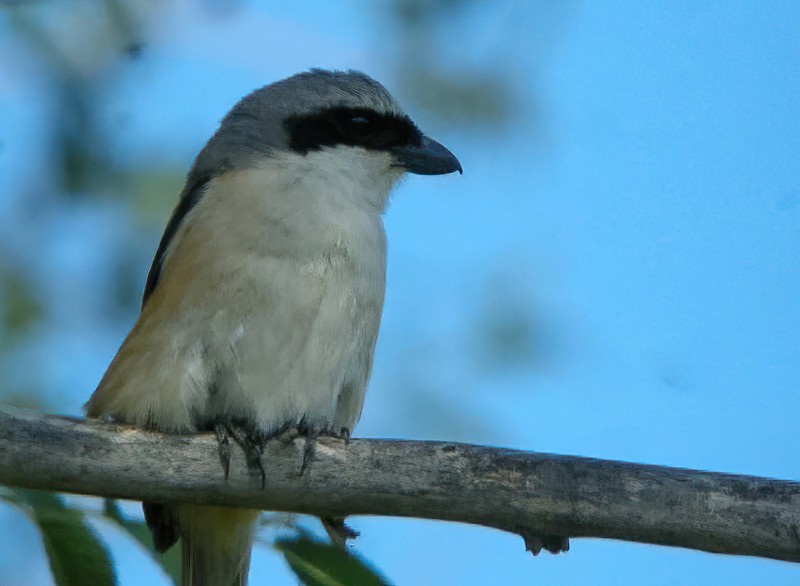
(20, 308)
(321, 564)
(76, 555)
(170, 561)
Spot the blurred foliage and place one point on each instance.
(457, 99)
(30, 399)
(514, 330)
(170, 560)
(77, 557)
(76, 72)
(438, 84)
(76, 75)
(154, 188)
(20, 306)
(321, 564)
(77, 51)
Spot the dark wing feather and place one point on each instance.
(191, 196)
(162, 519)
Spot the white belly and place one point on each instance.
(302, 324)
(267, 311)
(305, 354)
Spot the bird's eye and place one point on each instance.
(359, 128)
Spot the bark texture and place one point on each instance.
(526, 493)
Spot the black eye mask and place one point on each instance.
(352, 127)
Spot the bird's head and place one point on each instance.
(333, 125)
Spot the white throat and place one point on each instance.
(339, 176)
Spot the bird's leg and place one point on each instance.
(248, 439)
(224, 447)
(338, 531)
(253, 446)
(552, 543)
(311, 433)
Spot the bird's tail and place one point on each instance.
(215, 545)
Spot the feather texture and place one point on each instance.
(263, 303)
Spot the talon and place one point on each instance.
(552, 543)
(533, 544)
(308, 451)
(224, 448)
(311, 434)
(556, 543)
(338, 531)
(253, 447)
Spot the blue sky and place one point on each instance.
(646, 198)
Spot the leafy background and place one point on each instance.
(616, 274)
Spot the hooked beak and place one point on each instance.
(430, 158)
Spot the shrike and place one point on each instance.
(262, 305)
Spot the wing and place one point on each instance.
(124, 392)
(191, 196)
(161, 519)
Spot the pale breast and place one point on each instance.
(306, 303)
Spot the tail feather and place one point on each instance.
(215, 544)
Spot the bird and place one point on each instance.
(262, 306)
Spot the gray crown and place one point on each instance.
(255, 126)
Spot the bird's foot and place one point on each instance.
(552, 543)
(248, 439)
(311, 433)
(338, 531)
(224, 447)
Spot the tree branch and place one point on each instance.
(521, 492)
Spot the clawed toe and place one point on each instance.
(224, 447)
(309, 450)
(338, 531)
(552, 543)
(312, 434)
(251, 443)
